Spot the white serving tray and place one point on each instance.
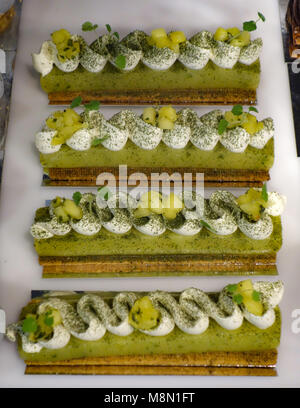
(21, 184)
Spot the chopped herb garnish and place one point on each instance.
(49, 321)
(261, 16)
(76, 102)
(29, 325)
(264, 193)
(88, 26)
(120, 61)
(231, 288)
(108, 28)
(237, 110)
(238, 299)
(96, 142)
(222, 126)
(256, 296)
(253, 109)
(77, 197)
(93, 105)
(116, 35)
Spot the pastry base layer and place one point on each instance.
(218, 96)
(145, 265)
(261, 363)
(89, 176)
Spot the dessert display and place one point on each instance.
(158, 68)
(155, 234)
(231, 148)
(293, 26)
(233, 332)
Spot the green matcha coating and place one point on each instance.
(162, 156)
(136, 243)
(141, 78)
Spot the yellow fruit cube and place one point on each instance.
(158, 33)
(233, 31)
(250, 127)
(57, 140)
(71, 117)
(61, 214)
(253, 306)
(163, 42)
(260, 126)
(149, 116)
(245, 287)
(141, 212)
(172, 205)
(177, 37)
(221, 34)
(251, 118)
(60, 36)
(168, 112)
(143, 315)
(155, 203)
(245, 37)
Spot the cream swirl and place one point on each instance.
(220, 214)
(194, 53)
(114, 133)
(190, 311)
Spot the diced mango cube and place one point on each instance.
(143, 315)
(177, 37)
(168, 112)
(233, 31)
(165, 123)
(60, 36)
(73, 210)
(158, 33)
(163, 42)
(149, 115)
(221, 34)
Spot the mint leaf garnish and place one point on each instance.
(237, 110)
(77, 197)
(238, 299)
(253, 109)
(108, 28)
(256, 296)
(204, 224)
(231, 288)
(261, 16)
(222, 126)
(88, 26)
(264, 193)
(104, 193)
(116, 35)
(93, 105)
(76, 102)
(96, 142)
(249, 26)
(120, 61)
(29, 325)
